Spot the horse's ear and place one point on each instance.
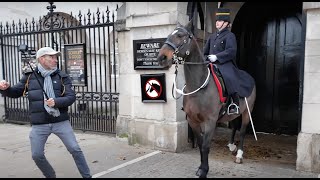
(189, 26)
(179, 25)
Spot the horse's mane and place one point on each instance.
(194, 71)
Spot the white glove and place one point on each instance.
(212, 58)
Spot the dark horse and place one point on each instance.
(201, 101)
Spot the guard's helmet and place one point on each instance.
(223, 14)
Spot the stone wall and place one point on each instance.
(308, 144)
(156, 125)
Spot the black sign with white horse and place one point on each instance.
(153, 87)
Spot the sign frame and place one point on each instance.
(145, 52)
(75, 57)
(153, 87)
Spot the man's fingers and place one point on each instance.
(4, 84)
(50, 102)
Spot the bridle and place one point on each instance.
(181, 60)
(177, 48)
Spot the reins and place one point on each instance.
(181, 91)
(180, 60)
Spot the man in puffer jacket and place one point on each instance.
(48, 115)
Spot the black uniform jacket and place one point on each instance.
(65, 96)
(224, 45)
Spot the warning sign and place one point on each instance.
(153, 87)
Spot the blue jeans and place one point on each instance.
(38, 138)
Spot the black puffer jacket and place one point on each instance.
(65, 96)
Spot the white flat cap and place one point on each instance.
(47, 51)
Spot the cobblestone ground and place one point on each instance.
(271, 156)
(109, 156)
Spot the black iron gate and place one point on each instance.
(96, 107)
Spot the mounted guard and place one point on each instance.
(221, 50)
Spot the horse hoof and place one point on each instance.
(238, 160)
(198, 173)
(201, 174)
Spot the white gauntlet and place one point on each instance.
(212, 58)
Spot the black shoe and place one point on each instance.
(234, 106)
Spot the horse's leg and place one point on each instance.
(234, 126)
(199, 142)
(245, 122)
(192, 137)
(206, 135)
(196, 130)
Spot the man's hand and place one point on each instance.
(212, 58)
(4, 85)
(50, 102)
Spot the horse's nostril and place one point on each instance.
(163, 57)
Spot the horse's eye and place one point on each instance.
(180, 35)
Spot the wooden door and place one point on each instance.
(270, 49)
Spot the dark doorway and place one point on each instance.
(270, 48)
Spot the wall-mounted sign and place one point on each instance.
(75, 63)
(145, 52)
(153, 87)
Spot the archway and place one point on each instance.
(270, 48)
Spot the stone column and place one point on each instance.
(159, 126)
(308, 144)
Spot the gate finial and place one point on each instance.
(51, 7)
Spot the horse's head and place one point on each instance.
(177, 45)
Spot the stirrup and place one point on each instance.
(236, 106)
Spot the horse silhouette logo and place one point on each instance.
(153, 88)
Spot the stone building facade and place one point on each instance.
(162, 125)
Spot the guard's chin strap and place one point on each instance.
(222, 25)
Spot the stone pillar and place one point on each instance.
(308, 143)
(160, 126)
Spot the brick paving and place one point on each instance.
(109, 157)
